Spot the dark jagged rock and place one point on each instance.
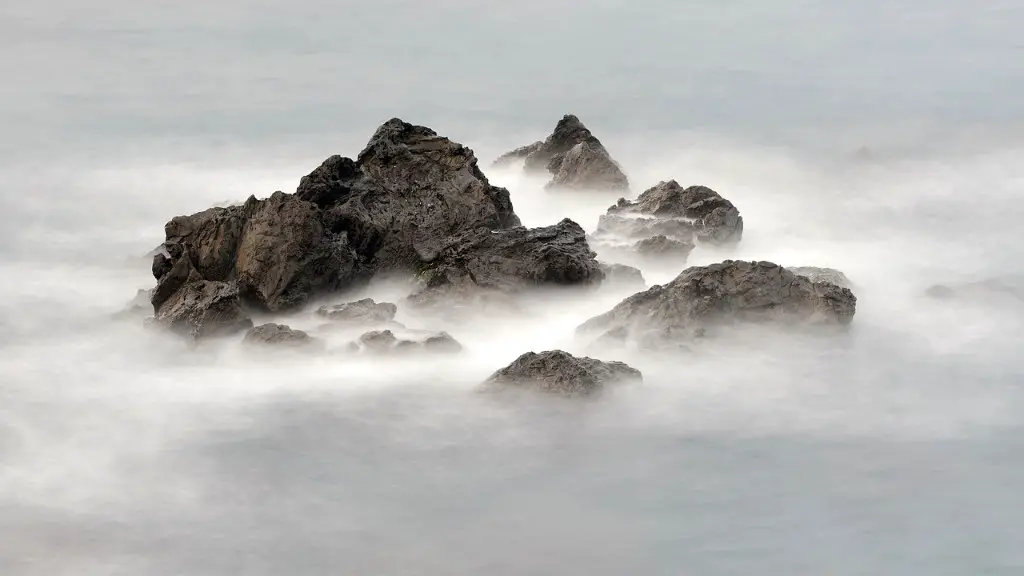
(817, 274)
(622, 275)
(561, 373)
(385, 342)
(702, 297)
(507, 261)
(286, 255)
(365, 311)
(202, 309)
(518, 154)
(664, 246)
(277, 335)
(409, 186)
(573, 156)
(587, 166)
(715, 219)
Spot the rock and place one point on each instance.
(139, 307)
(622, 275)
(615, 226)
(662, 245)
(816, 274)
(703, 297)
(518, 154)
(365, 311)
(507, 262)
(286, 255)
(987, 291)
(277, 335)
(385, 342)
(715, 219)
(574, 156)
(203, 309)
(561, 373)
(408, 188)
(587, 166)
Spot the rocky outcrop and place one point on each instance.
(561, 373)
(573, 156)
(622, 275)
(661, 245)
(385, 342)
(816, 274)
(714, 219)
(703, 297)
(506, 262)
(365, 311)
(277, 335)
(408, 187)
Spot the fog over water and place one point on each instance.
(894, 448)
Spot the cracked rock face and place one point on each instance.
(560, 373)
(703, 297)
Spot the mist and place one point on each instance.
(892, 447)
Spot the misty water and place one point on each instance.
(893, 448)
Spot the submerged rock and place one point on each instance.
(990, 290)
(622, 275)
(816, 274)
(702, 297)
(714, 219)
(139, 307)
(277, 335)
(385, 342)
(573, 156)
(561, 373)
(365, 311)
(507, 262)
(662, 245)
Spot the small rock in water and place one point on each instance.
(277, 335)
(622, 275)
(560, 373)
(385, 342)
(664, 246)
(365, 311)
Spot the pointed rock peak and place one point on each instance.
(391, 137)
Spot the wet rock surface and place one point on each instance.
(703, 297)
(560, 373)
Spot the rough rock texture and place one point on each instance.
(587, 166)
(203, 308)
(574, 156)
(408, 187)
(277, 335)
(816, 274)
(662, 245)
(365, 311)
(508, 261)
(630, 227)
(622, 275)
(385, 342)
(561, 373)
(732, 291)
(286, 255)
(715, 219)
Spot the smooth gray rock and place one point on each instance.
(622, 275)
(560, 373)
(703, 297)
(817, 274)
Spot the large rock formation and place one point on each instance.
(409, 186)
(680, 213)
(507, 261)
(702, 297)
(574, 156)
(561, 373)
(348, 220)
